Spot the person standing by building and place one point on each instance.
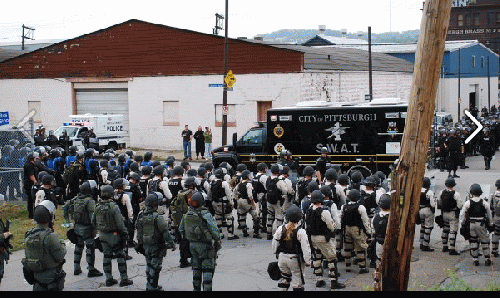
(200, 229)
(208, 142)
(199, 137)
(187, 136)
(454, 148)
(487, 147)
(30, 174)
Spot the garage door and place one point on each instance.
(104, 101)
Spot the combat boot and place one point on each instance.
(336, 285)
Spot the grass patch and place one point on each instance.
(17, 214)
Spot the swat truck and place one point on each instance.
(364, 135)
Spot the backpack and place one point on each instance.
(70, 173)
(496, 206)
(179, 207)
(424, 201)
(217, 190)
(153, 185)
(258, 187)
(369, 201)
(80, 213)
(448, 202)
(335, 197)
(273, 193)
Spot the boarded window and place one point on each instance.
(171, 113)
(262, 107)
(231, 115)
(37, 106)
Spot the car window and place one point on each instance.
(253, 137)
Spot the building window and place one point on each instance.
(467, 20)
(460, 20)
(231, 115)
(492, 19)
(171, 113)
(477, 20)
(482, 62)
(473, 61)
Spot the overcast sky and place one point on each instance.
(56, 19)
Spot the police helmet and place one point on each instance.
(146, 170)
(324, 150)
(426, 183)
(137, 158)
(185, 164)
(14, 142)
(47, 179)
(476, 190)
(197, 197)
(44, 212)
(54, 153)
(385, 202)
(356, 176)
(134, 167)
(130, 153)
(190, 182)
(285, 170)
(178, 171)
(370, 181)
(122, 158)
(192, 172)
(275, 168)
(450, 182)
(107, 192)
(219, 173)
(134, 176)
(119, 183)
(148, 155)
(224, 164)
(261, 167)
(245, 174)
(331, 175)
(170, 162)
(155, 163)
(312, 186)
(380, 175)
(241, 167)
(151, 200)
(32, 156)
(326, 190)
(343, 179)
(353, 195)
(209, 166)
(6, 150)
(41, 174)
(317, 196)
(202, 171)
(72, 150)
(158, 170)
(497, 183)
(294, 214)
(103, 163)
(89, 153)
(308, 171)
(88, 187)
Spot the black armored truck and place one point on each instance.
(366, 134)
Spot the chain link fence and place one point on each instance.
(13, 143)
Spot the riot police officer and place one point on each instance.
(454, 148)
(200, 229)
(44, 253)
(80, 209)
(322, 164)
(153, 239)
(110, 225)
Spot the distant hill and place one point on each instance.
(299, 36)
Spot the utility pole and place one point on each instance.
(407, 178)
(370, 74)
(224, 92)
(28, 35)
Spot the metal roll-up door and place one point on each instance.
(104, 101)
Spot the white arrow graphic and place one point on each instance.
(479, 127)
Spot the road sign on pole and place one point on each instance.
(4, 118)
(230, 79)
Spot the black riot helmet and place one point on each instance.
(107, 192)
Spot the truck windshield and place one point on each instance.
(253, 137)
(70, 130)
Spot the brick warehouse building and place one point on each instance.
(159, 76)
(476, 20)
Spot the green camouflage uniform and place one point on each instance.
(199, 227)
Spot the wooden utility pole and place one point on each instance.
(407, 177)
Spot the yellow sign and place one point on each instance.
(278, 131)
(230, 79)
